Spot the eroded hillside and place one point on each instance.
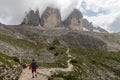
(91, 51)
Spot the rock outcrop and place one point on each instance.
(83, 40)
(32, 18)
(87, 25)
(10, 68)
(8, 73)
(74, 20)
(51, 18)
(99, 29)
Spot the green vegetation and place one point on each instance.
(60, 63)
(66, 76)
(56, 42)
(59, 50)
(22, 43)
(57, 47)
(9, 66)
(93, 64)
(17, 42)
(7, 60)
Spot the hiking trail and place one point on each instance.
(44, 73)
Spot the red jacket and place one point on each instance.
(32, 67)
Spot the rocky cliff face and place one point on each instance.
(99, 29)
(32, 18)
(74, 20)
(51, 18)
(87, 25)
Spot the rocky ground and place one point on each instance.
(9, 67)
(45, 73)
(86, 65)
(79, 39)
(97, 54)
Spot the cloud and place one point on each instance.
(115, 26)
(13, 11)
(106, 13)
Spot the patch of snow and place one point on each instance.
(96, 30)
(85, 29)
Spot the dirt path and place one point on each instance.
(43, 73)
(27, 75)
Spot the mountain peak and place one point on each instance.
(74, 20)
(76, 13)
(51, 18)
(32, 18)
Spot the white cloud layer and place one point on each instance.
(105, 20)
(13, 11)
(104, 13)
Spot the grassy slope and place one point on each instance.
(21, 43)
(94, 61)
(17, 42)
(94, 64)
(57, 49)
(8, 65)
(25, 44)
(7, 60)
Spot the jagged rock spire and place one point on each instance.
(32, 18)
(74, 20)
(51, 18)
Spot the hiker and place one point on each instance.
(33, 67)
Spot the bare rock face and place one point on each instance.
(32, 18)
(99, 29)
(87, 25)
(51, 18)
(83, 40)
(74, 20)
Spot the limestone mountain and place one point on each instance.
(51, 18)
(87, 25)
(32, 18)
(74, 20)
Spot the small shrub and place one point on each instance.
(16, 59)
(56, 54)
(51, 48)
(65, 76)
(56, 42)
(74, 61)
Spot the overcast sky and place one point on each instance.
(103, 13)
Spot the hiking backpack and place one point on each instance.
(34, 65)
